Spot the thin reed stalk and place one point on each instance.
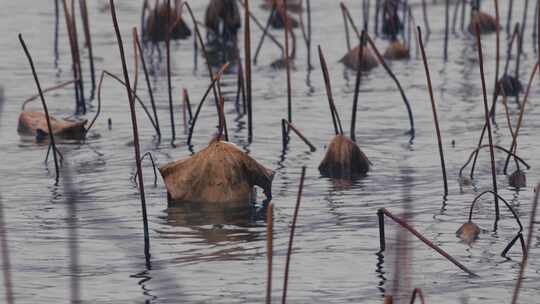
(357, 85)
(136, 145)
(487, 120)
(148, 85)
(269, 249)
(287, 125)
(44, 104)
(88, 39)
(383, 212)
(291, 236)
(525, 259)
(338, 129)
(434, 110)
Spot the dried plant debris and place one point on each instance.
(344, 159)
(220, 173)
(35, 124)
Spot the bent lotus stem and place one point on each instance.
(475, 152)
(492, 111)
(185, 95)
(73, 56)
(50, 89)
(168, 60)
(487, 121)
(383, 212)
(446, 28)
(149, 156)
(203, 48)
(266, 33)
(88, 39)
(287, 60)
(148, 85)
(497, 60)
(513, 146)
(417, 292)
(434, 110)
(525, 259)
(78, 56)
(291, 235)
(335, 116)
(141, 103)
(44, 104)
(135, 131)
(199, 107)
(247, 55)
(357, 86)
(522, 110)
(262, 28)
(514, 214)
(287, 125)
(412, 131)
(270, 250)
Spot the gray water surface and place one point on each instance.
(82, 240)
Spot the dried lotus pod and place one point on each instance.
(518, 179)
(369, 61)
(397, 51)
(344, 159)
(510, 86)
(35, 123)
(388, 300)
(487, 23)
(220, 174)
(468, 232)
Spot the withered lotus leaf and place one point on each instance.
(509, 86)
(156, 24)
(487, 23)
(396, 51)
(368, 62)
(344, 159)
(32, 123)
(468, 232)
(221, 173)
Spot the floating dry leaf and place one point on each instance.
(221, 173)
(33, 123)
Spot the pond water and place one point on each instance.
(82, 240)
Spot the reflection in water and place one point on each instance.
(215, 224)
(6, 265)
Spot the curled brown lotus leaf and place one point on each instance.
(344, 159)
(468, 232)
(156, 24)
(32, 123)
(368, 62)
(487, 23)
(221, 173)
(397, 51)
(388, 300)
(518, 179)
